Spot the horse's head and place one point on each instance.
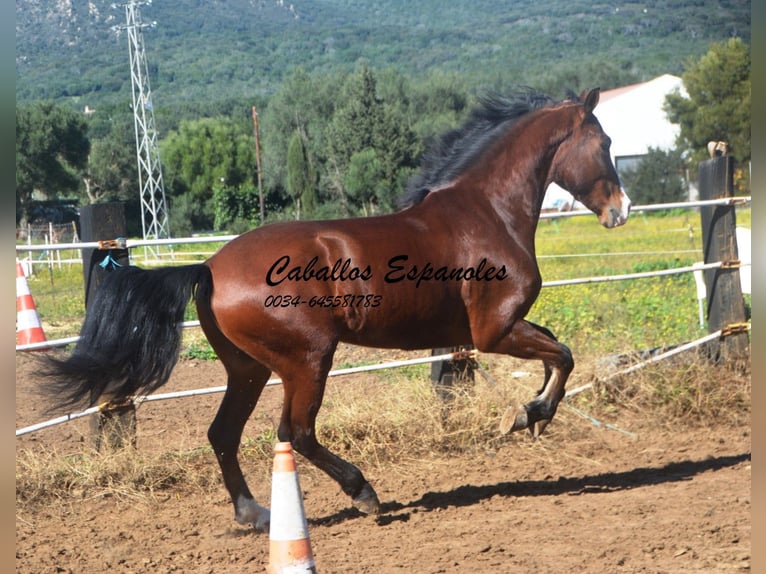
(582, 165)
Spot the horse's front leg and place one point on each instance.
(529, 341)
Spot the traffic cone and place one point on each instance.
(28, 326)
(289, 544)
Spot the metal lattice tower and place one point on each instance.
(154, 213)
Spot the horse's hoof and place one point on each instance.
(537, 429)
(513, 420)
(262, 524)
(249, 512)
(367, 501)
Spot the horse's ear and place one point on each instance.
(590, 99)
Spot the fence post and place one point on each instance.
(101, 222)
(725, 304)
(113, 426)
(446, 375)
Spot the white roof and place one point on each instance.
(633, 117)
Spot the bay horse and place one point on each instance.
(454, 266)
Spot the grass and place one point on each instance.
(623, 315)
(45, 474)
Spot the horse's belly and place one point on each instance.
(388, 329)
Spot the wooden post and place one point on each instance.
(257, 134)
(725, 304)
(101, 222)
(446, 375)
(115, 425)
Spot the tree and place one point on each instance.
(338, 117)
(377, 130)
(437, 104)
(235, 208)
(200, 156)
(305, 104)
(397, 146)
(301, 177)
(365, 181)
(718, 103)
(112, 173)
(658, 178)
(354, 125)
(52, 149)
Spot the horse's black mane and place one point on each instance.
(457, 149)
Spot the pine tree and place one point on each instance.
(371, 144)
(718, 106)
(52, 148)
(300, 177)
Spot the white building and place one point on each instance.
(634, 118)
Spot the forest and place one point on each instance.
(348, 94)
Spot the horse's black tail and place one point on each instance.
(131, 337)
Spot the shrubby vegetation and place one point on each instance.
(658, 178)
(719, 90)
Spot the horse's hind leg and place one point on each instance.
(304, 387)
(247, 379)
(548, 368)
(529, 341)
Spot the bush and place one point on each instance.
(658, 178)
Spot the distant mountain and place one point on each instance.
(211, 50)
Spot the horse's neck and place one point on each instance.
(515, 178)
(503, 191)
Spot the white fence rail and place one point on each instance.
(275, 381)
(657, 206)
(131, 243)
(449, 356)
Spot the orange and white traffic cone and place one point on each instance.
(28, 327)
(289, 544)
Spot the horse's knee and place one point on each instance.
(300, 433)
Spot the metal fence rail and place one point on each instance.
(445, 357)
(558, 283)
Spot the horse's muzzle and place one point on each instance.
(616, 216)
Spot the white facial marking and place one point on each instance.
(625, 207)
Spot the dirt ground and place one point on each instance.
(583, 498)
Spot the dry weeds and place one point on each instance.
(400, 418)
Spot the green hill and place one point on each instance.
(216, 50)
